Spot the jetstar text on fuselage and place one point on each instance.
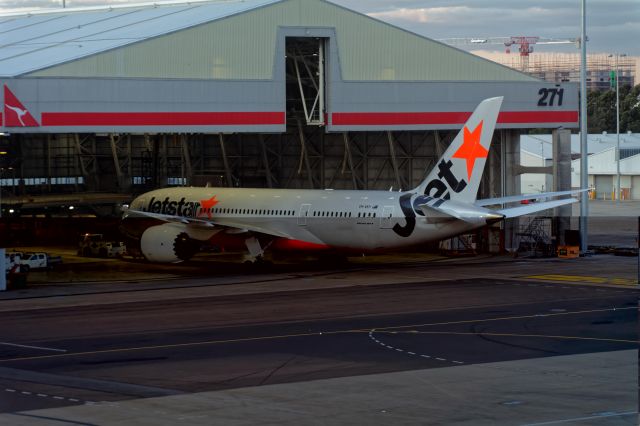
(174, 208)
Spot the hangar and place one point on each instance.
(252, 93)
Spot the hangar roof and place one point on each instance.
(233, 39)
(41, 39)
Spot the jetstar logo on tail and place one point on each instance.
(471, 148)
(16, 115)
(440, 188)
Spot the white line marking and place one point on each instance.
(74, 400)
(10, 390)
(32, 347)
(408, 352)
(25, 392)
(57, 397)
(42, 395)
(577, 419)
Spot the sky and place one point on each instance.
(613, 26)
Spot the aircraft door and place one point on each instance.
(385, 218)
(304, 213)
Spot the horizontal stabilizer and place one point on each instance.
(438, 215)
(533, 208)
(517, 198)
(447, 210)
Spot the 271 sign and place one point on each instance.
(550, 97)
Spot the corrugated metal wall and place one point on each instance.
(243, 47)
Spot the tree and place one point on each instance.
(630, 111)
(601, 110)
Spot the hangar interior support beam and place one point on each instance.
(186, 167)
(304, 157)
(394, 162)
(265, 162)
(225, 161)
(306, 78)
(121, 152)
(347, 161)
(86, 154)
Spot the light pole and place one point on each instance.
(584, 169)
(618, 189)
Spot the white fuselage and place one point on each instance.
(368, 220)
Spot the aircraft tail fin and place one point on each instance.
(458, 172)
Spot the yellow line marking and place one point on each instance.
(522, 335)
(507, 318)
(584, 279)
(285, 336)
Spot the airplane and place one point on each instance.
(172, 223)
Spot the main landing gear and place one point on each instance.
(256, 253)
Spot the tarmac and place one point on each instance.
(610, 223)
(505, 393)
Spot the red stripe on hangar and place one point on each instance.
(161, 118)
(418, 118)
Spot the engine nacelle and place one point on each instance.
(168, 243)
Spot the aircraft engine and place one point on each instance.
(168, 243)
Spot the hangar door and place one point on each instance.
(604, 187)
(635, 187)
(305, 67)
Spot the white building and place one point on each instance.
(536, 150)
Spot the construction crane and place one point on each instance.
(525, 44)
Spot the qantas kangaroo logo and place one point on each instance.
(441, 187)
(16, 115)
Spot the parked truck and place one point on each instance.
(96, 245)
(39, 261)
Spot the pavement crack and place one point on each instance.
(275, 370)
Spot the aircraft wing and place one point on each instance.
(532, 208)
(210, 223)
(170, 218)
(517, 198)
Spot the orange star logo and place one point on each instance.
(471, 148)
(207, 205)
